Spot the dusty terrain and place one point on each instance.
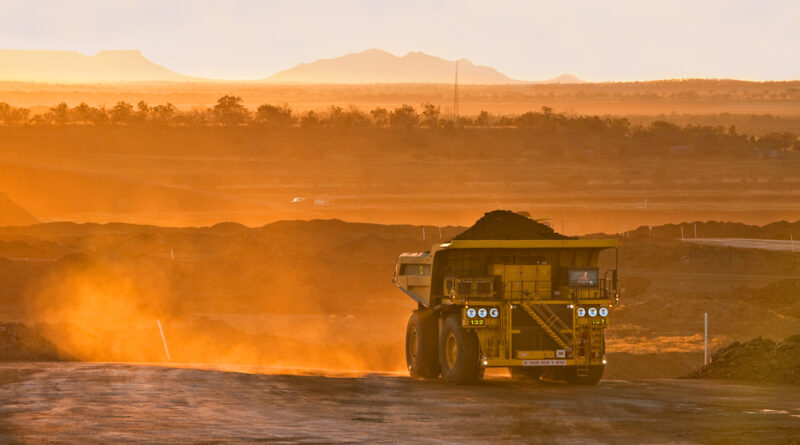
(202, 176)
(318, 294)
(91, 403)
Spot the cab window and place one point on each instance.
(415, 269)
(583, 277)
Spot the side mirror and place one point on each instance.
(614, 279)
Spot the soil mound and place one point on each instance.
(507, 225)
(756, 360)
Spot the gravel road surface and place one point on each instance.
(114, 403)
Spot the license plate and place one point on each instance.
(544, 363)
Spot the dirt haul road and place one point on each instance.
(90, 403)
(746, 243)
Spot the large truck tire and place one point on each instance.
(530, 373)
(458, 352)
(422, 352)
(595, 373)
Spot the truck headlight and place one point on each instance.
(603, 312)
(581, 312)
(494, 312)
(471, 312)
(592, 311)
(482, 312)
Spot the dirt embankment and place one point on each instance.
(19, 342)
(759, 359)
(782, 230)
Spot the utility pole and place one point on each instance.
(455, 98)
(705, 355)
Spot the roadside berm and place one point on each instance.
(760, 360)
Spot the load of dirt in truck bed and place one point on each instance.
(507, 225)
(759, 360)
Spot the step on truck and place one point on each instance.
(536, 307)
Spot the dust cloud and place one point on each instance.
(106, 307)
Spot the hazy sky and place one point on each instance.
(595, 40)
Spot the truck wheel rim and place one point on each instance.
(451, 350)
(412, 346)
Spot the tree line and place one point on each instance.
(589, 131)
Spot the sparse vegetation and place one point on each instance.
(542, 128)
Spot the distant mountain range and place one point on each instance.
(370, 66)
(378, 66)
(74, 67)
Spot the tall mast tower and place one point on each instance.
(455, 97)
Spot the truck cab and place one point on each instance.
(537, 307)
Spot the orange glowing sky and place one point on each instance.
(595, 40)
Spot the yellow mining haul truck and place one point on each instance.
(538, 307)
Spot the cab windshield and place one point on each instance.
(583, 277)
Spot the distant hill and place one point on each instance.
(378, 66)
(370, 66)
(13, 215)
(73, 67)
(564, 78)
